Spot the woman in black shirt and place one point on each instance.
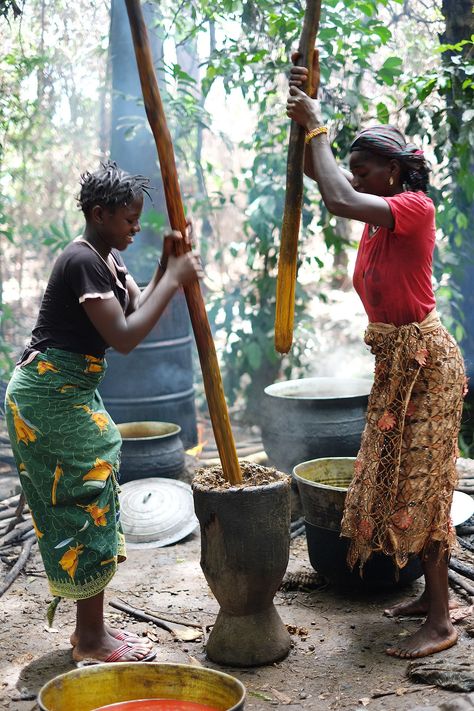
(65, 444)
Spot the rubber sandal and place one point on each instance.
(116, 656)
(123, 636)
(121, 651)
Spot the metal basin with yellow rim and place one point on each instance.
(151, 449)
(322, 484)
(89, 688)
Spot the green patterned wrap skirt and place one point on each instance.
(67, 451)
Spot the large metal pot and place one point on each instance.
(313, 417)
(323, 484)
(150, 449)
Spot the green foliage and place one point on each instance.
(440, 106)
(9, 9)
(367, 75)
(6, 356)
(252, 56)
(49, 118)
(54, 236)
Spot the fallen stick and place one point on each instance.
(18, 567)
(6, 522)
(10, 501)
(18, 512)
(463, 568)
(380, 694)
(7, 513)
(17, 532)
(183, 632)
(28, 534)
(465, 489)
(465, 544)
(465, 530)
(9, 524)
(295, 532)
(8, 558)
(5, 527)
(461, 582)
(459, 591)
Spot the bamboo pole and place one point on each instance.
(197, 311)
(286, 281)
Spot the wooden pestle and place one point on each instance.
(202, 332)
(286, 280)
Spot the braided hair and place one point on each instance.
(389, 142)
(110, 187)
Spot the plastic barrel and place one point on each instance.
(155, 380)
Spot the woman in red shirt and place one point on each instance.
(400, 498)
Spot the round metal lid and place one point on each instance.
(322, 388)
(156, 512)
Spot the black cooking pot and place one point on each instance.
(323, 484)
(150, 449)
(313, 417)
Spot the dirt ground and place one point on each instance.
(337, 659)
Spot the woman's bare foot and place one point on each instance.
(414, 608)
(101, 649)
(411, 608)
(113, 632)
(429, 639)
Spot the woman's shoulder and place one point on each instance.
(414, 200)
(78, 249)
(413, 212)
(78, 258)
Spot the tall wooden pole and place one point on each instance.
(286, 281)
(197, 311)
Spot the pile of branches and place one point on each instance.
(17, 537)
(461, 572)
(461, 565)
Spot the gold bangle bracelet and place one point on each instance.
(315, 132)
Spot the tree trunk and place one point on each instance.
(459, 26)
(459, 20)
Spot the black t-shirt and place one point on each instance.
(78, 274)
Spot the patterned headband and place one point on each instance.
(386, 141)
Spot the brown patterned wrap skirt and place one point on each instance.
(405, 474)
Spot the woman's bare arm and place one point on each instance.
(338, 194)
(336, 189)
(309, 169)
(124, 332)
